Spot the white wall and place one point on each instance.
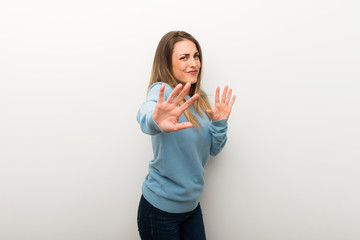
(73, 74)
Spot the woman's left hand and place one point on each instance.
(222, 109)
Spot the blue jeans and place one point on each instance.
(155, 224)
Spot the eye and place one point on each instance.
(182, 58)
(197, 56)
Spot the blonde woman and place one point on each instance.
(185, 130)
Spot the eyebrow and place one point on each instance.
(188, 54)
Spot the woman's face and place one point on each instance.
(185, 62)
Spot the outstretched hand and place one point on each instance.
(167, 113)
(222, 109)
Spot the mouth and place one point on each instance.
(194, 72)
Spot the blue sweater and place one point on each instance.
(176, 174)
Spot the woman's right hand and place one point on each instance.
(167, 113)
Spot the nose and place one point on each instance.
(192, 62)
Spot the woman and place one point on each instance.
(184, 131)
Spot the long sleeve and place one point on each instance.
(218, 131)
(145, 113)
(175, 180)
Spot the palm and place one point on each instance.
(222, 109)
(167, 113)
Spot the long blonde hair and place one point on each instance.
(162, 72)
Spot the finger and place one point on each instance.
(174, 93)
(224, 94)
(228, 97)
(189, 102)
(232, 101)
(211, 113)
(161, 93)
(182, 94)
(217, 98)
(181, 126)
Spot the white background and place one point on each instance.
(74, 73)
